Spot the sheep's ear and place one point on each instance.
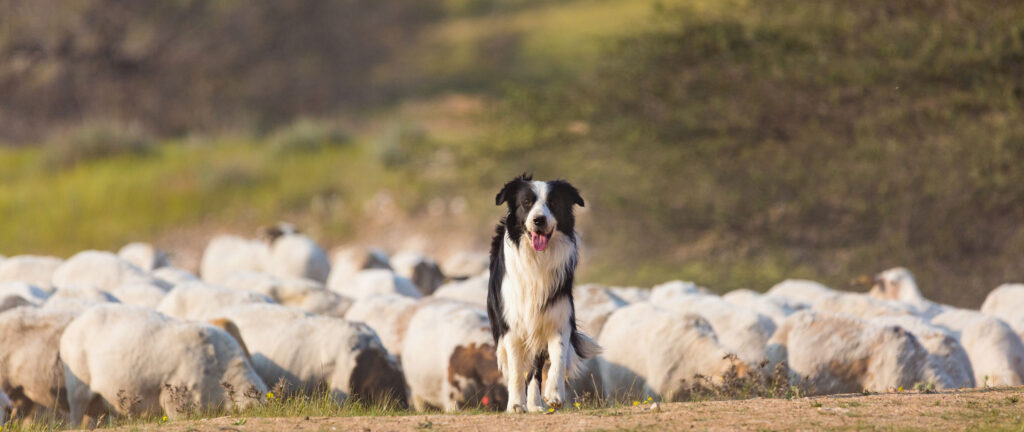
(509, 190)
(273, 232)
(570, 191)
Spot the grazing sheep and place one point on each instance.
(226, 254)
(775, 307)
(295, 255)
(742, 331)
(674, 291)
(420, 269)
(387, 315)
(132, 360)
(144, 256)
(147, 295)
(464, 265)
(311, 353)
(897, 284)
(377, 281)
(861, 306)
(99, 270)
(30, 293)
(1007, 303)
(305, 294)
(198, 300)
(594, 303)
(172, 276)
(800, 290)
(30, 367)
(449, 358)
(995, 350)
(945, 354)
(830, 353)
(32, 269)
(653, 352)
(87, 293)
(347, 261)
(472, 290)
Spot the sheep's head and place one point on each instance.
(475, 378)
(895, 284)
(278, 230)
(378, 379)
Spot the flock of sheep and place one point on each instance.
(102, 333)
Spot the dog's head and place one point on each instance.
(538, 209)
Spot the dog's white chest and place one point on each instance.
(531, 278)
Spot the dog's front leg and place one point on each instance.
(516, 378)
(554, 385)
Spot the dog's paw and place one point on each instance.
(554, 401)
(516, 408)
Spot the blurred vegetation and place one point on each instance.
(732, 143)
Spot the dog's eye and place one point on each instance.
(527, 204)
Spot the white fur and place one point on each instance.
(435, 331)
(31, 293)
(172, 276)
(949, 365)
(776, 307)
(347, 261)
(29, 357)
(649, 351)
(140, 294)
(384, 314)
(298, 256)
(832, 353)
(98, 269)
(800, 290)
(995, 350)
(898, 285)
(376, 281)
(143, 255)
(1007, 303)
(88, 293)
(466, 264)
(861, 305)
(226, 254)
(33, 269)
(198, 300)
(472, 290)
(307, 352)
(742, 331)
(138, 352)
(305, 294)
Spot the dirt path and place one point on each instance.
(975, 410)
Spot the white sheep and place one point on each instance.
(387, 314)
(377, 281)
(295, 255)
(32, 269)
(346, 261)
(131, 360)
(831, 353)
(948, 359)
(898, 284)
(144, 256)
(800, 290)
(775, 307)
(472, 290)
(995, 350)
(861, 306)
(143, 294)
(226, 254)
(314, 353)
(420, 269)
(30, 365)
(462, 265)
(97, 269)
(449, 358)
(198, 300)
(1007, 303)
(742, 331)
(653, 352)
(673, 291)
(305, 294)
(594, 304)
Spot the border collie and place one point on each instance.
(529, 298)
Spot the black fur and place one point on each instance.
(519, 198)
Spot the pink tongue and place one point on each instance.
(539, 242)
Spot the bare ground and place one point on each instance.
(990, 409)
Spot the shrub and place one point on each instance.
(306, 135)
(96, 140)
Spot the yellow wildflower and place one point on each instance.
(636, 403)
(270, 395)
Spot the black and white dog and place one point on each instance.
(529, 299)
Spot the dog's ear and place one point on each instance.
(509, 190)
(568, 190)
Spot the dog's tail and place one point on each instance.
(583, 348)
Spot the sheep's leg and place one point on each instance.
(516, 367)
(554, 386)
(79, 398)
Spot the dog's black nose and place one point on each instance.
(540, 221)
